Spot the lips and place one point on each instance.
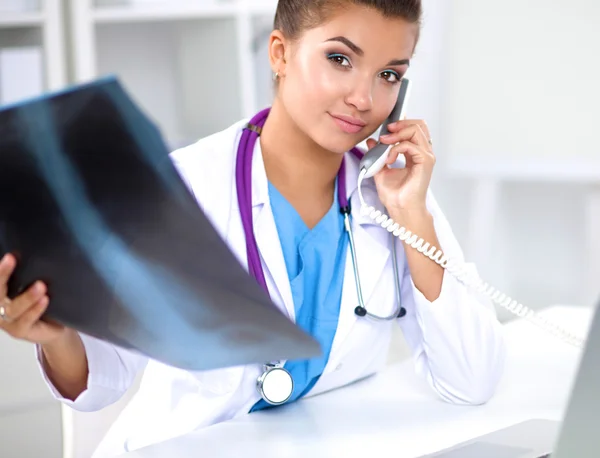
(348, 124)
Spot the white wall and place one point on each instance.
(522, 82)
(537, 250)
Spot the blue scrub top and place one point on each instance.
(315, 260)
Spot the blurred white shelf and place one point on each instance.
(15, 20)
(161, 12)
(177, 11)
(564, 170)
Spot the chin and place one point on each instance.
(338, 144)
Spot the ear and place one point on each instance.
(278, 52)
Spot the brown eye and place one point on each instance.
(391, 76)
(339, 59)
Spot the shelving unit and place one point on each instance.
(44, 28)
(208, 70)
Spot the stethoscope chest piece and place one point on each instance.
(275, 385)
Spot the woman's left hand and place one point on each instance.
(404, 191)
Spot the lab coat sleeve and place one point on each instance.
(112, 371)
(457, 339)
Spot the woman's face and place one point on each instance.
(342, 78)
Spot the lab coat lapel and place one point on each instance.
(372, 247)
(372, 252)
(267, 237)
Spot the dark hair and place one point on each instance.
(295, 16)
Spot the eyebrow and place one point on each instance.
(357, 50)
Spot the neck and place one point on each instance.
(294, 164)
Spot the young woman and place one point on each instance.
(338, 65)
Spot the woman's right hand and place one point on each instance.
(20, 317)
(64, 357)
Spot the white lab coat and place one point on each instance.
(456, 341)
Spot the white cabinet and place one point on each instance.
(194, 67)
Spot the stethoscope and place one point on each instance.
(276, 384)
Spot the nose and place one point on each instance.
(361, 95)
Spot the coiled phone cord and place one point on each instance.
(458, 271)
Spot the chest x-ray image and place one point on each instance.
(91, 204)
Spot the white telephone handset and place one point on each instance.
(374, 159)
(372, 162)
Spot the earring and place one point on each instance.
(275, 76)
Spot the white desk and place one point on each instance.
(394, 413)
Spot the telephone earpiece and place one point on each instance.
(374, 159)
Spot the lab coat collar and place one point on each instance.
(368, 188)
(260, 184)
